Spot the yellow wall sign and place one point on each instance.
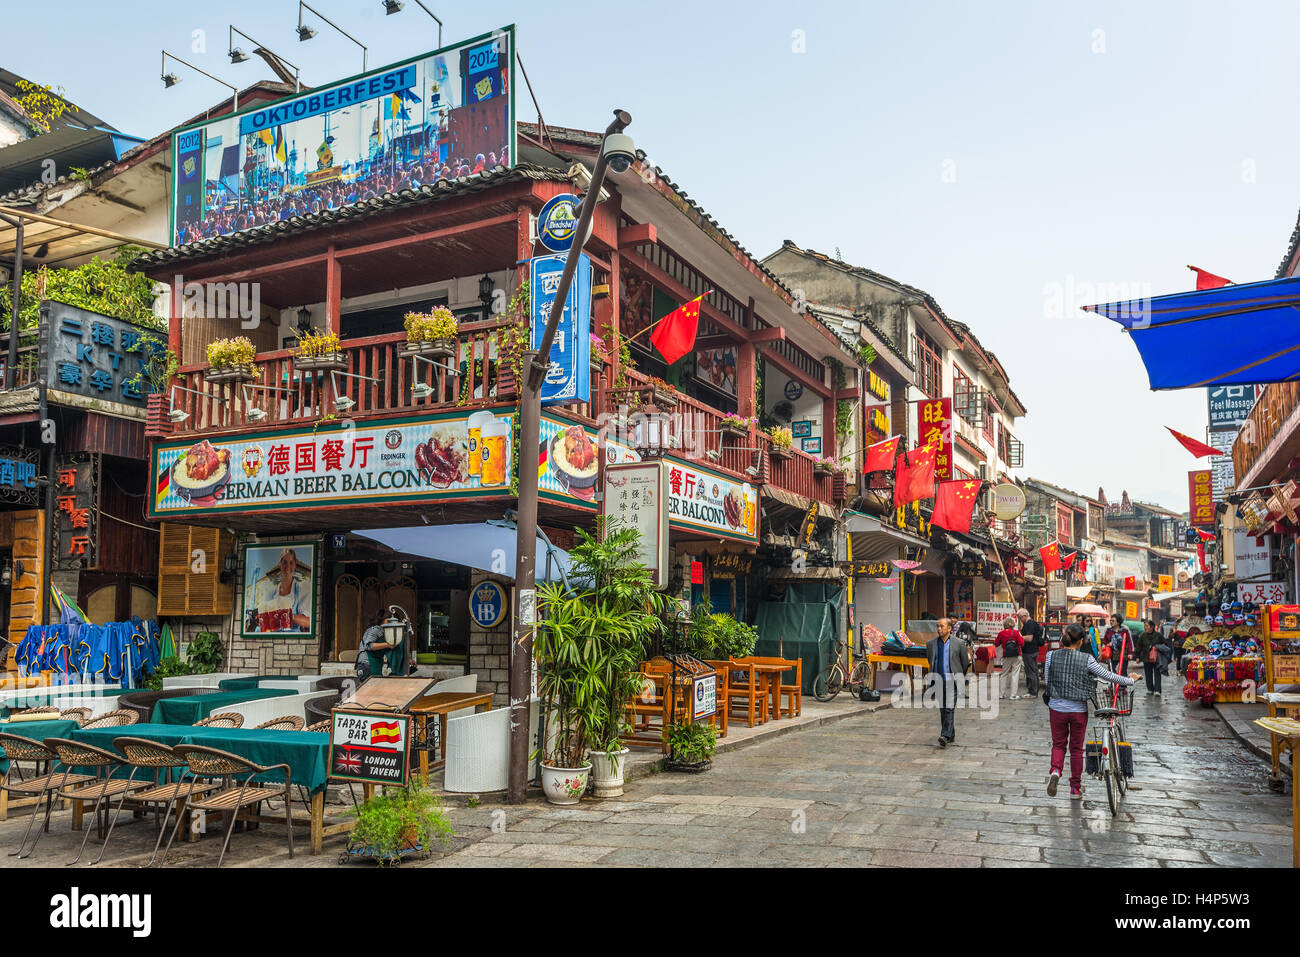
(877, 386)
(1165, 582)
(1130, 610)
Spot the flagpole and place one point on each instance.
(663, 317)
(988, 517)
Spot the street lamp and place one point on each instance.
(485, 288)
(171, 79)
(306, 33)
(395, 6)
(617, 152)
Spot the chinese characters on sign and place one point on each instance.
(568, 378)
(702, 500)
(18, 475)
(76, 515)
(989, 616)
(873, 570)
(729, 565)
(1221, 465)
(969, 569)
(1230, 405)
(1201, 495)
(635, 497)
(935, 419)
(97, 356)
(1262, 593)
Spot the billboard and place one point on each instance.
(440, 115)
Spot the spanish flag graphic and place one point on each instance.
(384, 732)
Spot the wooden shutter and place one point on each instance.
(181, 589)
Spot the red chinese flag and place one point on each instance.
(675, 334)
(880, 457)
(1205, 536)
(954, 502)
(1208, 280)
(1130, 583)
(1199, 449)
(914, 479)
(1069, 560)
(1051, 556)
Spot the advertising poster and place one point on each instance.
(568, 379)
(717, 367)
(449, 455)
(279, 589)
(567, 461)
(989, 616)
(1230, 405)
(702, 500)
(635, 498)
(1252, 557)
(936, 429)
(372, 747)
(438, 116)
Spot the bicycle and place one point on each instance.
(1104, 759)
(832, 678)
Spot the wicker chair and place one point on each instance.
(41, 786)
(142, 702)
(235, 794)
(79, 715)
(224, 719)
(146, 755)
(325, 726)
(286, 722)
(113, 719)
(40, 709)
(76, 754)
(322, 708)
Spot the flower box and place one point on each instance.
(780, 453)
(335, 361)
(239, 373)
(823, 469)
(734, 432)
(438, 348)
(664, 399)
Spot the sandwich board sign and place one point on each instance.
(372, 747)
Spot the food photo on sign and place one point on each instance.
(279, 589)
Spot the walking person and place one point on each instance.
(1120, 641)
(1070, 678)
(949, 658)
(1032, 632)
(1011, 644)
(1149, 651)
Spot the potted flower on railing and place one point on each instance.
(231, 360)
(662, 393)
(737, 426)
(825, 466)
(431, 333)
(320, 350)
(782, 440)
(599, 355)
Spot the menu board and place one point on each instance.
(635, 497)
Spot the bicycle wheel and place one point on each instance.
(859, 677)
(1110, 771)
(1117, 771)
(828, 683)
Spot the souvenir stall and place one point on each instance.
(1227, 659)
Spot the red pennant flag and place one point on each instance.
(914, 478)
(1205, 536)
(1083, 564)
(1199, 449)
(954, 503)
(674, 336)
(1051, 556)
(1208, 280)
(880, 457)
(1069, 560)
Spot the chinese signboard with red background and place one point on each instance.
(935, 419)
(1201, 497)
(76, 525)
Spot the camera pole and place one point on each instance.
(524, 615)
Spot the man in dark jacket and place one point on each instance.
(1149, 643)
(1032, 632)
(949, 658)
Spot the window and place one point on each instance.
(929, 365)
(966, 397)
(990, 409)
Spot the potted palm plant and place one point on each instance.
(589, 647)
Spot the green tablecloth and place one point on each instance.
(187, 709)
(39, 731)
(244, 682)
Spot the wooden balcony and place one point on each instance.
(1270, 435)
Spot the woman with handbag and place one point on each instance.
(1149, 644)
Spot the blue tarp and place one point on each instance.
(1233, 335)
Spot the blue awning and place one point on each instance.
(486, 546)
(1233, 335)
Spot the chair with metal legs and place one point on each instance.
(41, 786)
(145, 755)
(76, 754)
(234, 795)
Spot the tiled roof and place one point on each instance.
(33, 192)
(823, 312)
(434, 192)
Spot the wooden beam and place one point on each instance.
(637, 235)
(794, 372)
(431, 235)
(771, 334)
(853, 393)
(92, 230)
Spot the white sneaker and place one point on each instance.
(1157, 694)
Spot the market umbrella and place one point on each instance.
(1233, 335)
(1087, 608)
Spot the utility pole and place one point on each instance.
(530, 412)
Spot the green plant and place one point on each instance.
(206, 652)
(100, 285)
(843, 418)
(472, 801)
(157, 367)
(733, 421)
(718, 636)
(590, 643)
(866, 353)
(230, 353)
(437, 324)
(312, 344)
(41, 104)
(399, 818)
(169, 667)
(782, 438)
(692, 742)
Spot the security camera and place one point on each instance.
(619, 152)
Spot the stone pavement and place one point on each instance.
(869, 789)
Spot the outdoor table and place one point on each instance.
(37, 731)
(188, 709)
(1288, 728)
(440, 705)
(79, 694)
(770, 676)
(906, 661)
(243, 682)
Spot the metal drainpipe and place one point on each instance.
(47, 547)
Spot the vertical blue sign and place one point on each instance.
(569, 377)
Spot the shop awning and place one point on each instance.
(874, 541)
(796, 501)
(1078, 591)
(1233, 335)
(486, 546)
(1166, 595)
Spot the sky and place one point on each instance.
(1014, 159)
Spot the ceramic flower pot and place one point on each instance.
(564, 785)
(607, 772)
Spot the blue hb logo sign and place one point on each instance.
(487, 604)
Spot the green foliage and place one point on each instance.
(229, 353)
(867, 353)
(692, 742)
(100, 285)
(156, 372)
(843, 418)
(41, 104)
(717, 637)
(169, 667)
(591, 641)
(400, 817)
(206, 653)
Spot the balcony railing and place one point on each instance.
(28, 373)
(1271, 412)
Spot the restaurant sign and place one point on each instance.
(373, 747)
(94, 356)
(568, 377)
(706, 501)
(989, 616)
(936, 430)
(76, 516)
(1201, 496)
(385, 462)
(636, 497)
